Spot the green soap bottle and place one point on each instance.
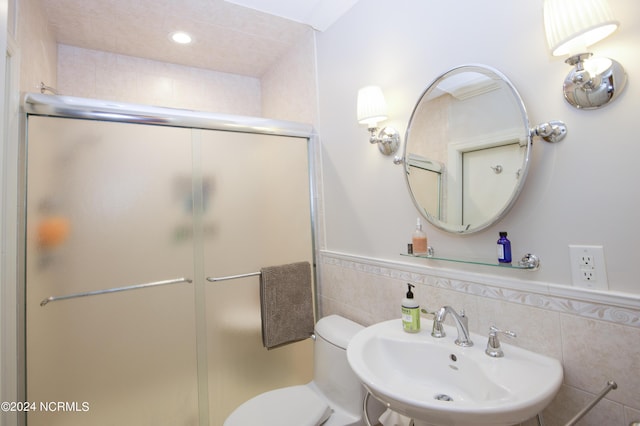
(410, 312)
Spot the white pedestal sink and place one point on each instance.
(437, 382)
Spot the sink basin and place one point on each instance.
(437, 382)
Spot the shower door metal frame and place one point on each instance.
(35, 104)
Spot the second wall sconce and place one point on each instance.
(372, 109)
(571, 26)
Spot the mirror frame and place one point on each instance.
(487, 70)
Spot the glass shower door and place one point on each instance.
(256, 213)
(112, 207)
(109, 205)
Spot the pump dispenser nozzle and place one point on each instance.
(409, 292)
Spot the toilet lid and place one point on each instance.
(292, 406)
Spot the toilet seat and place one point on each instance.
(291, 406)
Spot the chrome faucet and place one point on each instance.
(462, 324)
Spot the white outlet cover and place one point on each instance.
(598, 270)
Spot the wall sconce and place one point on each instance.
(571, 26)
(372, 109)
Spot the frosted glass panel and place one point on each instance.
(112, 205)
(109, 205)
(257, 213)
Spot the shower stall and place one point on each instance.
(134, 218)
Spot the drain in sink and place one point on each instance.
(443, 397)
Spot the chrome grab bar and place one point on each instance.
(610, 385)
(114, 290)
(232, 277)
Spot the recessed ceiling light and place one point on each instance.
(180, 37)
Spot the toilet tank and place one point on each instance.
(332, 373)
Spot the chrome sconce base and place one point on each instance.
(530, 261)
(553, 131)
(388, 139)
(593, 83)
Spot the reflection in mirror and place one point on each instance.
(467, 149)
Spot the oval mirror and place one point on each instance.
(467, 149)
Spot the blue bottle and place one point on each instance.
(504, 248)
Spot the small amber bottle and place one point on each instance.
(419, 239)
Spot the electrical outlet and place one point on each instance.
(588, 275)
(586, 260)
(588, 268)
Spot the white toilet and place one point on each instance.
(333, 398)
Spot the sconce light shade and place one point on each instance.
(372, 107)
(573, 25)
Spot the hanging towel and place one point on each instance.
(286, 302)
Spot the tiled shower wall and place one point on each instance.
(108, 76)
(594, 342)
(37, 47)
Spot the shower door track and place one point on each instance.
(92, 109)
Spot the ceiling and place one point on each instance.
(228, 37)
(319, 14)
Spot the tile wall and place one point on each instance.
(595, 342)
(289, 90)
(108, 76)
(38, 54)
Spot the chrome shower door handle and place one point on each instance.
(232, 277)
(115, 290)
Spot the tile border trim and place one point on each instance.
(619, 309)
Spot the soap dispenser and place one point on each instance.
(419, 239)
(410, 312)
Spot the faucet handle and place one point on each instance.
(437, 330)
(493, 344)
(427, 312)
(493, 330)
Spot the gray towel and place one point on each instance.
(286, 302)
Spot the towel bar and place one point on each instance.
(232, 277)
(114, 290)
(610, 385)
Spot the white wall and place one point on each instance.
(579, 191)
(582, 190)
(6, 336)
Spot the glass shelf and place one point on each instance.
(529, 262)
